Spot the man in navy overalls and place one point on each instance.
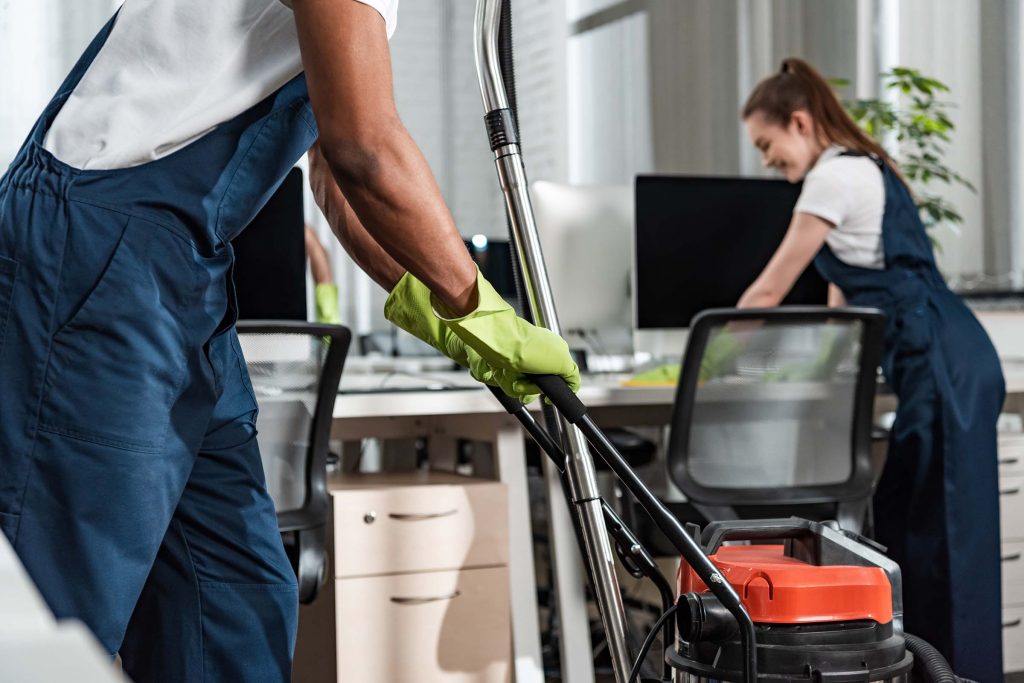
(130, 479)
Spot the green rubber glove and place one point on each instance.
(408, 307)
(835, 345)
(511, 346)
(721, 350)
(326, 296)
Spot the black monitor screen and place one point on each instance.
(270, 258)
(494, 258)
(700, 242)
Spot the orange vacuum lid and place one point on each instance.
(777, 589)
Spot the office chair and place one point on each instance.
(773, 413)
(295, 368)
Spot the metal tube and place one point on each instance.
(488, 67)
(579, 463)
(676, 535)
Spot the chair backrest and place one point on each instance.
(295, 369)
(774, 406)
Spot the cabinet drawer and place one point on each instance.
(1011, 507)
(1013, 639)
(443, 627)
(419, 528)
(1011, 454)
(1013, 573)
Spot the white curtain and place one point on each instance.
(39, 42)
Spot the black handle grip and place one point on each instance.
(559, 393)
(507, 402)
(754, 534)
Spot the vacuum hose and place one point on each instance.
(508, 72)
(508, 76)
(936, 668)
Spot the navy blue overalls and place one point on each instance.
(130, 480)
(937, 503)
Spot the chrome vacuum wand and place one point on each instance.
(579, 467)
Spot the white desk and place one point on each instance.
(474, 414)
(35, 647)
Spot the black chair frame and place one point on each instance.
(308, 523)
(858, 486)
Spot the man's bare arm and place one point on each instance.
(377, 166)
(346, 226)
(319, 263)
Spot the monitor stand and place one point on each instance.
(657, 346)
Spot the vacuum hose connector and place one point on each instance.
(701, 617)
(936, 668)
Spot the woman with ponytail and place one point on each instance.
(937, 503)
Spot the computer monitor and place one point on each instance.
(586, 235)
(701, 241)
(494, 258)
(270, 257)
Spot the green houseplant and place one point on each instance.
(920, 129)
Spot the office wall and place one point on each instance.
(943, 39)
(39, 43)
(690, 65)
(661, 83)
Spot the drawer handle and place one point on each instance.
(1009, 461)
(1012, 557)
(1009, 492)
(423, 601)
(419, 517)
(1011, 624)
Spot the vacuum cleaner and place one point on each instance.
(787, 601)
(767, 600)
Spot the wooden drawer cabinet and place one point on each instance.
(420, 589)
(419, 528)
(450, 626)
(1011, 507)
(1013, 638)
(1012, 554)
(1011, 454)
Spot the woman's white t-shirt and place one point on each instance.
(849, 193)
(171, 71)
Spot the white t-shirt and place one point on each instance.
(172, 70)
(849, 192)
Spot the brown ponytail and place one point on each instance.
(798, 86)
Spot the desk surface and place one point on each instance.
(34, 646)
(597, 391)
(472, 398)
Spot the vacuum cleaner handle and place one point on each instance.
(573, 410)
(717, 533)
(511, 405)
(563, 398)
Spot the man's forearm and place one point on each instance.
(373, 159)
(392, 190)
(319, 264)
(346, 226)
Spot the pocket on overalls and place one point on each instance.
(8, 274)
(911, 328)
(117, 364)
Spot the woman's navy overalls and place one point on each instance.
(937, 503)
(130, 480)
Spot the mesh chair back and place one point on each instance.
(774, 406)
(295, 369)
